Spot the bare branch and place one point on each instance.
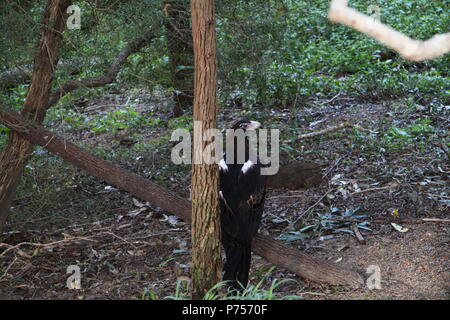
(358, 234)
(414, 50)
(110, 74)
(324, 131)
(332, 129)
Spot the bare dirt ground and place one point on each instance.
(137, 251)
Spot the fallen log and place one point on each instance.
(273, 251)
(297, 175)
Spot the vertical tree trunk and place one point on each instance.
(181, 54)
(17, 150)
(206, 249)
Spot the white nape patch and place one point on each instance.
(253, 125)
(247, 166)
(222, 165)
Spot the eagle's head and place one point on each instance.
(246, 125)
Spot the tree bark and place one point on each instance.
(181, 54)
(17, 149)
(206, 248)
(295, 176)
(273, 251)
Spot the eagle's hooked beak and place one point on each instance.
(253, 125)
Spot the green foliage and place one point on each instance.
(19, 25)
(415, 134)
(289, 51)
(252, 292)
(4, 131)
(398, 138)
(333, 221)
(13, 99)
(271, 53)
(183, 122)
(123, 119)
(148, 295)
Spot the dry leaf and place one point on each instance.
(399, 228)
(23, 254)
(137, 203)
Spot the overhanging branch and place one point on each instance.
(414, 50)
(109, 76)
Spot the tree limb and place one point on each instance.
(414, 50)
(326, 130)
(110, 74)
(332, 129)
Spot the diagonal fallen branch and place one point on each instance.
(7, 268)
(324, 131)
(414, 50)
(340, 126)
(273, 251)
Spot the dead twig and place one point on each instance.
(324, 131)
(358, 234)
(340, 126)
(313, 293)
(437, 195)
(388, 187)
(294, 225)
(435, 220)
(120, 238)
(336, 163)
(7, 268)
(42, 245)
(334, 98)
(76, 226)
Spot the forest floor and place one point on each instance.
(127, 249)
